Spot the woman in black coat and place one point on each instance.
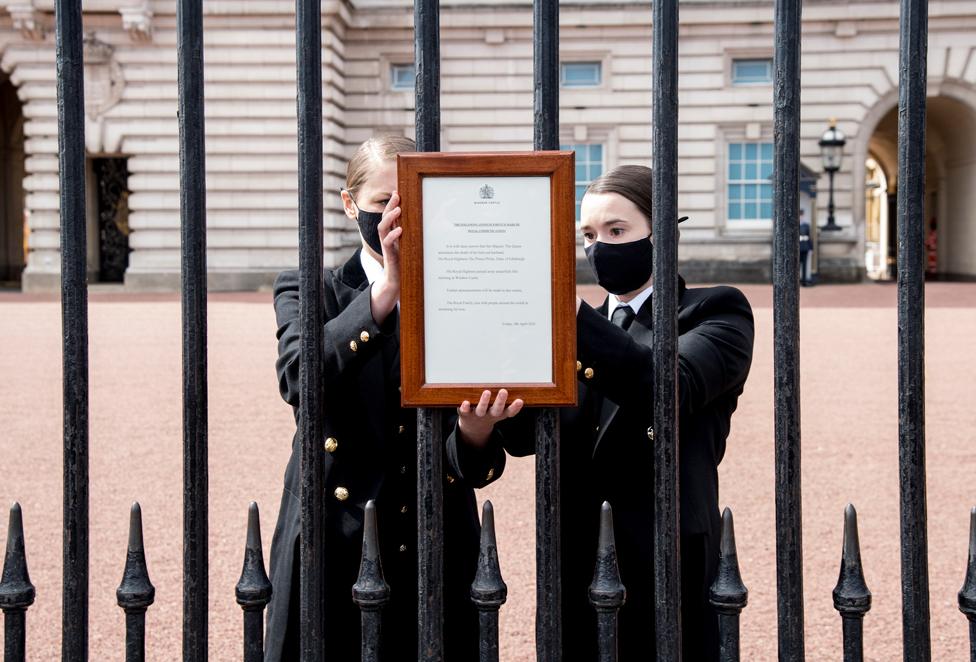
(369, 443)
(607, 442)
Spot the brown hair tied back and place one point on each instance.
(373, 151)
(631, 181)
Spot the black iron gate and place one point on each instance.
(851, 597)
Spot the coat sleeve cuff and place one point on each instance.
(610, 361)
(354, 333)
(475, 466)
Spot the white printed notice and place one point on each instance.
(487, 280)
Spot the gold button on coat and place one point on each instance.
(450, 478)
(650, 433)
(579, 366)
(341, 493)
(364, 336)
(403, 428)
(353, 346)
(331, 444)
(588, 373)
(403, 509)
(403, 548)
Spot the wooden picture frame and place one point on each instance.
(514, 174)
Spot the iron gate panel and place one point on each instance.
(729, 595)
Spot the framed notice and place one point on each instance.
(488, 269)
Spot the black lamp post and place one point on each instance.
(832, 151)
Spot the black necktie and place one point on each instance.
(623, 316)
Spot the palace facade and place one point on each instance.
(849, 73)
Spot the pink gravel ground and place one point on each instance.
(849, 399)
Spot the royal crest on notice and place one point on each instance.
(486, 192)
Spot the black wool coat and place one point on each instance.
(369, 450)
(607, 455)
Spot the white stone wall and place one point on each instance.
(849, 71)
(251, 137)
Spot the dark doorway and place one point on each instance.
(950, 192)
(13, 248)
(111, 191)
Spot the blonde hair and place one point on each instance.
(373, 151)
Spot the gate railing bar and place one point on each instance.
(545, 68)
(430, 442)
(193, 285)
(370, 592)
(786, 328)
(851, 595)
(135, 592)
(16, 591)
(253, 590)
(488, 590)
(728, 594)
(911, 329)
(548, 560)
(967, 594)
(74, 326)
(430, 535)
(427, 90)
(607, 592)
(308, 28)
(548, 620)
(664, 433)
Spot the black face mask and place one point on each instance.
(621, 268)
(369, 222)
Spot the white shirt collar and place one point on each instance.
(372, 268)
(635, 303)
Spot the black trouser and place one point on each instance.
(805, 266)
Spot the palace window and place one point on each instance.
(580, 74)
(752, 71)
(589, 166)
(750, 189)
(402, 76)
